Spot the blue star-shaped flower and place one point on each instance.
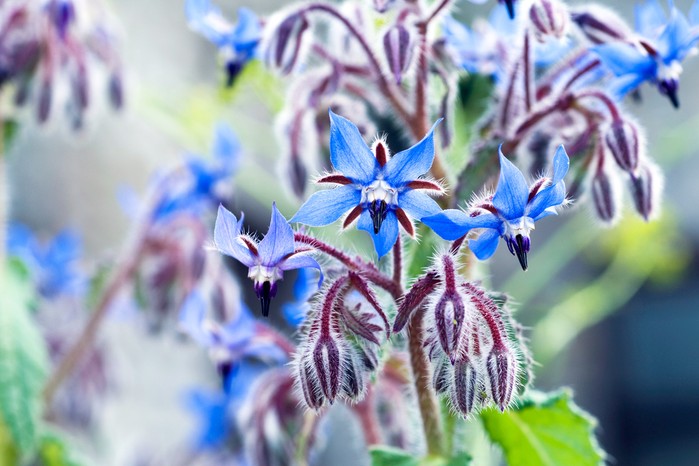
(237, 44)
(379, 191)
(267, 260)
(510, 213)
(663, 43)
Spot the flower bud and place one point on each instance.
(353, 383)
(549, 18)
(441, 375)
(605, 196)
(422, 287)
(310, 386)
(465, 386)
(326, 362)
(600, 24)
(45, 96)
(116, 91)
(449, 317)
(396, 45)
(62, 13)
(80, 88)
(285, 47)
(298, 176)
(624, 142)
(502, 375)
(646, 186)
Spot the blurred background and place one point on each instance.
(614, 314)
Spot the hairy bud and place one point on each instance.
(625, 144)
(465, 386)
(646, 186)
(600, 24)
(549, 18)
(502, 375)
(396, 45)
(285, 46)
(605, 196)
(45, 96)
(422, 287)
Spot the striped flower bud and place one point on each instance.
(285, 46)
(465, 386)
(502, 375)
(646, 186)
(45, 97)
(549, 18)
(396, 45)
(600, 24)
(605, 196)
(624, 142)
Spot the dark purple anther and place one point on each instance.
(669, 88)
(396, 45)
(265, 292)
(622, 138)
(510, 5)
(233, 69)
(519, 246)
(378, 211)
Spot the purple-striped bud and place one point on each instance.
(116, 91)
(441, 375)
(422, 287)
(80, 88)
(600, 24)
(310, 386)
(502, 375)
(326, 362)
(550, 18)
(353, 381)
(45, 96)
(624, 142)
(646, 186)
(62, 13)
(449, 315)
(605, 196)
(465, 386)
(285, 46)
(396, 46)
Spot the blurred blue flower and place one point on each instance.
(510, 5)
(305, 286)
(54, 265)
(378, 190)
(268, 259)
(237, 43)
(510, 213)
(663, 43)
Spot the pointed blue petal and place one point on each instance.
(279, 240)
(622, 85)
(418, 204)
(452, 224)
(191, 317)
(561, 163)
(623, 59)
(551, 196)
(248, 30)
(226, 233)
(411, 163)
(300, 261)
(650, 18)
(226, 148)
(485, 245)
(388, 234)
(545, 213)
(349, 153)
(512, 193)
(324, 207)
(694, 13)
(676, 40)
(207, 20)
(212, 411)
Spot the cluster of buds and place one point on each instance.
(340, 344)
(45, 45)
(476, 348)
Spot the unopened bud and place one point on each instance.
(646, 186)
(440, 375)
(396, 45)
(310, 386)
(502, 375)
(80, 88)
(422, 287)
(298, 176)
(605, 196)
(625, 144)
(285, 48)
(353, 378)
(326, 361)
(549, 18)
(600, 24)
(45, 96)
(449, 317)
(62, 13)
(465, 386)
(116, 91)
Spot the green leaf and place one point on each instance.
(9, 132)
(54, 452)
(460, 459)
(384, 455)
(23, 363)
(546, 430)
(8, 450)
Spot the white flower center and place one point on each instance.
(379, 190)
(261, 274)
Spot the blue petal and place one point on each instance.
(694, 13)
(417, 204)
(212, 411)
(226, 233)
(561, 163)
(191, 317)
(551, 196)
(650, 18)
(349, 153)
(623, 59)
(248, 30)
(324, 207)
(676, 40)
(512, 193)
(388, 234)
(485, 245)
(207, 20)
(226, 148)
(300, 261)
(411, 163)
(452, 224)
(622, 85)
(279, 240)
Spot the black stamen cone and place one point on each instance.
(378, 211)
(521, 252)
(510, 5)
(672, 95)
(265, 298)
(233, 69)
(224, 370)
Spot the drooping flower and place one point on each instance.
(663, 44)
(237, 44)
(510, 213)
(268, 259)
(379, 191)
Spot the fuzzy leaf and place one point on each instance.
(23, 363)
(545, 430)
(383, 455)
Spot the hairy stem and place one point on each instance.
(366, 412)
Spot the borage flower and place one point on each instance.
(509, 213)
(663, 43)
(267, 260)
(237, 44)
(379, 191)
